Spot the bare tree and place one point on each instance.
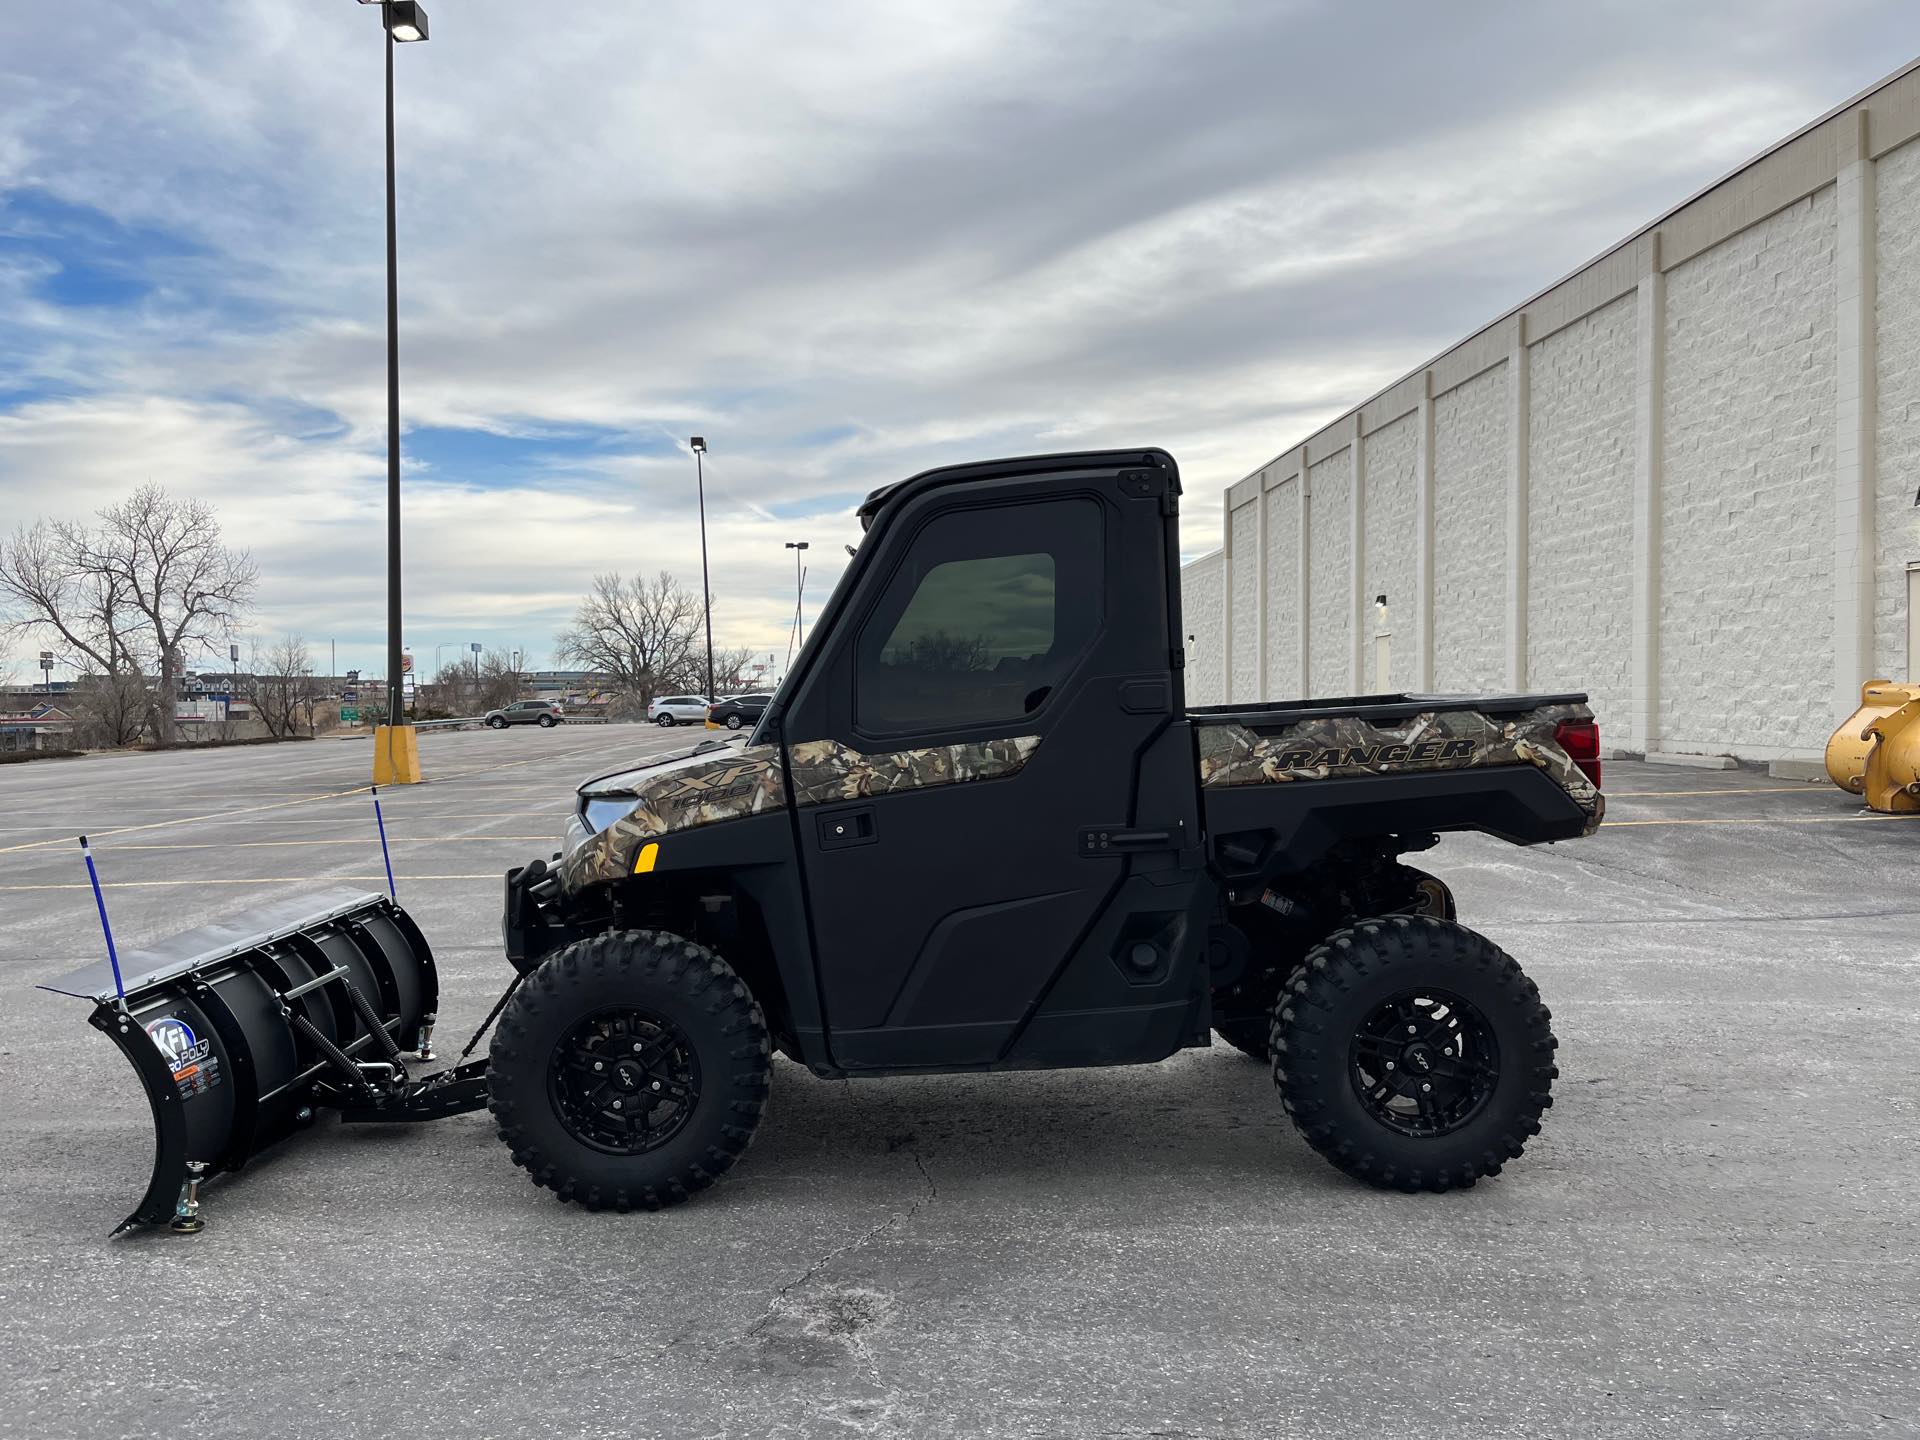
(643, 634)
(733, 671)
(110, 710)
(281, 689)
(479, 685)
(86, 616)
(165, 556)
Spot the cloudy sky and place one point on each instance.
(843, 241)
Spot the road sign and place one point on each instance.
(349, 715)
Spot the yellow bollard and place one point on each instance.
(1847, 751)
(1893, 765)
(396, 755)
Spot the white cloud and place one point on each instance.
(845, 241)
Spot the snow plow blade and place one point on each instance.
(240, 1031)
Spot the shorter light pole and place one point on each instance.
(799, 594)
(699, 444)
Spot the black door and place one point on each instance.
(996, 672)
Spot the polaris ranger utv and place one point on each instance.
(978, 828)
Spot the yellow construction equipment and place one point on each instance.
(1876, 751)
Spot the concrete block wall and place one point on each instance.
(1685, 479)
(1329, 495)
(1580, 531)
(1203, 620)
(1392, 453)
(1746, 660)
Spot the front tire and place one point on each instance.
(629, 1070)
(496, 723)
(1413, 1054)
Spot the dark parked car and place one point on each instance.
(736, 712)
(544, 713)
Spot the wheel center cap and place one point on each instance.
(1418, 1058)
(628, 1075)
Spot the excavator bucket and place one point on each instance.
(241, 1030)
(1884, 706)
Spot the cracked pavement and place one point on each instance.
(1714, 1235)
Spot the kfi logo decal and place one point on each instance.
(176, 1041)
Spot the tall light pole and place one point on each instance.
(405, 22)
(699, 445)
(799, 593)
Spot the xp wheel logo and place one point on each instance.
(176, 1041)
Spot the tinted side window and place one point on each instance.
(987, 615)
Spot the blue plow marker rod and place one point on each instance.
(385, 858)
(100, 903)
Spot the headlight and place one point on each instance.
(601, 811)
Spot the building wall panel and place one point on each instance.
(1580, 511)
(1469, 538)
(1283, 619)
(1331, 588)
(1390, 457)
(1897, 321)
(1200, 600)
(1747, 509)
(1244, 682)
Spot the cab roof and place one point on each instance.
(1017, 465)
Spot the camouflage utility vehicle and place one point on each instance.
(977, 828)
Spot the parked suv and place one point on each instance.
(669, 710)
(544, 713)
(736, 711)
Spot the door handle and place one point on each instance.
(842, 829)
(1113, 840)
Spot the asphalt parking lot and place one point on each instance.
(1715, 1235)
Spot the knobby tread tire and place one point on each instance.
(678, 979)
(1326, 999)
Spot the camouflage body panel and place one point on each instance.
(678, 795)
(695, 790)
(1343, 745)
(825, 771)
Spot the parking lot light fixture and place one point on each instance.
(396, 758)
(698, 444)
(406, 21)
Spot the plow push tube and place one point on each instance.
(239, 1030)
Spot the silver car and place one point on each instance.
(544, 713)
(670, 710)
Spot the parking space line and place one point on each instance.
(391, 840)
(492, 876)
(1762, 820)
(1806, 787)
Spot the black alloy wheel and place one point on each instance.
(624, 1081)
(1413, 1053)
(1424, 1063)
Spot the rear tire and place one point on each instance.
(1471, 1069)
(733, 722)
(698, 1028)
(665, 722)
(547, 722)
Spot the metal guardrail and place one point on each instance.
(476, 720)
